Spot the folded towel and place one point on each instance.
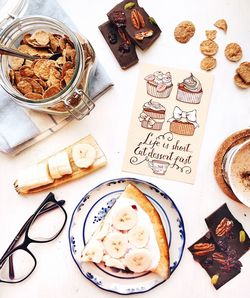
(20, 128)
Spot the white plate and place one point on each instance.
(94, 206)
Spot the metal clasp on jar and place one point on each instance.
(79, 105)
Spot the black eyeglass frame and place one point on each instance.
(27, 240)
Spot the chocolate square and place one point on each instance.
(140, 27)
(220, 266)
(228, 232)
(120, 44)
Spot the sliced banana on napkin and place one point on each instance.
(72, 162)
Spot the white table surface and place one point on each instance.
(56, 275)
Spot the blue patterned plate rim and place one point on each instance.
(136, 180)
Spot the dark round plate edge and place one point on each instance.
(135, 180)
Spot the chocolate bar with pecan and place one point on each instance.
(228, 232)
(120, 44)
(140, 27)
(220, 266)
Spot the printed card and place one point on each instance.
(168, 123)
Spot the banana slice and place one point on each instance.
(63, 165)
(83, 155)
(54, 172)
(138, 260)
(112, 262)
(59, 165)
(139, 236)
(32, 177)
(92, 252)
(103, 230)
(125, 218)
(116, 244)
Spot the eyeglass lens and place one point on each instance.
(18, 268)
(46, 227)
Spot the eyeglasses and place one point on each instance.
(18, 262)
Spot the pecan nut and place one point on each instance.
(219, 257)
(123, 36)
(137, 19)
(143, 34)
(224, 227)
(203, 249)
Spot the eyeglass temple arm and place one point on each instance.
(23, 228)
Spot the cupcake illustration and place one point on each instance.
(152, 116)
(183, 123)
(190, 90)
(159, 84)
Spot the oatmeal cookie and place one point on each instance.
(221, 24)
(240, 82)
(184, 31)
(208, 63)
(244, 71)
(211, 34)
(233, 52)
(209, 47)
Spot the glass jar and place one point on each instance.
(73, 99)
(10, 9)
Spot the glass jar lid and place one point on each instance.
(11, 9)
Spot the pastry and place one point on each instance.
(152, 116)
(190, 90)
(183, 123)
(159, 84)
(130, 237)
(73, 162)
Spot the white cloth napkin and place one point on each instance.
(21, 128)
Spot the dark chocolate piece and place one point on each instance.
(120, 44)
(220, 266)
(228, 232)
(140, 27)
